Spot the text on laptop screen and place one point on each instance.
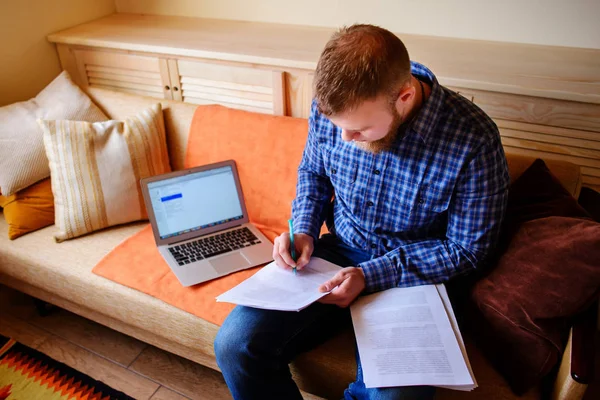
(196, 201)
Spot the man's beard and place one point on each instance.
(386, 142)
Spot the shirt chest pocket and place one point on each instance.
(342, 172)
(420, 203)
(433, 198)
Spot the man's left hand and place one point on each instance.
(350, 283)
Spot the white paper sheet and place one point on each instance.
(405, 338)
(274, 288)
(446, 300)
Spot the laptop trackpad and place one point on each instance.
(228, 263)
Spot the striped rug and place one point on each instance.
(26, 373)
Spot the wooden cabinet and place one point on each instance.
(252, 89)
(299, 93)
(143, 75)
(245, 88)
(542, 104)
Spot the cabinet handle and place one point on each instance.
(175, 88)
(167, 87)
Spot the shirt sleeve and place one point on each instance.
(475, 214)
(314, 189)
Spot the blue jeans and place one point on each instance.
(254, 346)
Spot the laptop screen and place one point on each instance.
(195, 201)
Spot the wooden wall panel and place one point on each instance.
(579, 147)
(537, 110)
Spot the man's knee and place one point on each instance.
(229, 344)
(242, 338)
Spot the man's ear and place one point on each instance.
(407, 93)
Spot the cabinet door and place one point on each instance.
(142, 75)
(232, 86)
(299, 93)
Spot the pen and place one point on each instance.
(291, 223)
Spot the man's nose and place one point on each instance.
(347, 136)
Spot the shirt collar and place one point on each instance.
(425, 121)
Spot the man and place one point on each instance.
(419, 180)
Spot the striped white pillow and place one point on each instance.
(96, 169)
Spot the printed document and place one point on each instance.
(274, 288)
(405, 337)
(448, 306)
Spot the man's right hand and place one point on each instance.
(281, 250)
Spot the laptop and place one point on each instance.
(200, 223)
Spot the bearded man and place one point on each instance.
(419, 181)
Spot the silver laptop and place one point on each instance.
(200, 223)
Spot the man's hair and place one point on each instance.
(360, 62)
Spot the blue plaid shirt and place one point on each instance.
(428, 209)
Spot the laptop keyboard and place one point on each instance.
(214, 245)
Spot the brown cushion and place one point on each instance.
(567, 173)
(537, 193)
(589, 199)
(548, 271)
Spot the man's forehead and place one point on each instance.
(350, 124)
(360, 118)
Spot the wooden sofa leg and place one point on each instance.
(576, 367)
(567, 388)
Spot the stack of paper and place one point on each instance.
(409, 336)
(274, 288)
(405, 336)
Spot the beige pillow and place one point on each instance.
(23, 161)
(96, 169)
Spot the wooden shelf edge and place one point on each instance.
(174, 52)
(531, 70)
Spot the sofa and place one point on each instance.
(61, 274)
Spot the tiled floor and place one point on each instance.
(140, 370)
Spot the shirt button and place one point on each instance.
(333, 171)
(376, 172)
(421, 200)
(370, 203)
(373, 246)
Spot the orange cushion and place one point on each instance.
(136, 263)
(29, 209)
(267, 151)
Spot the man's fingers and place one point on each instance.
(282, 254)
(304, 258)
(349, 286)
(329, 299)
(279, 261)
(278, 249)
(333, 282)
(287, 257)
(275, 253)
(337, 296)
